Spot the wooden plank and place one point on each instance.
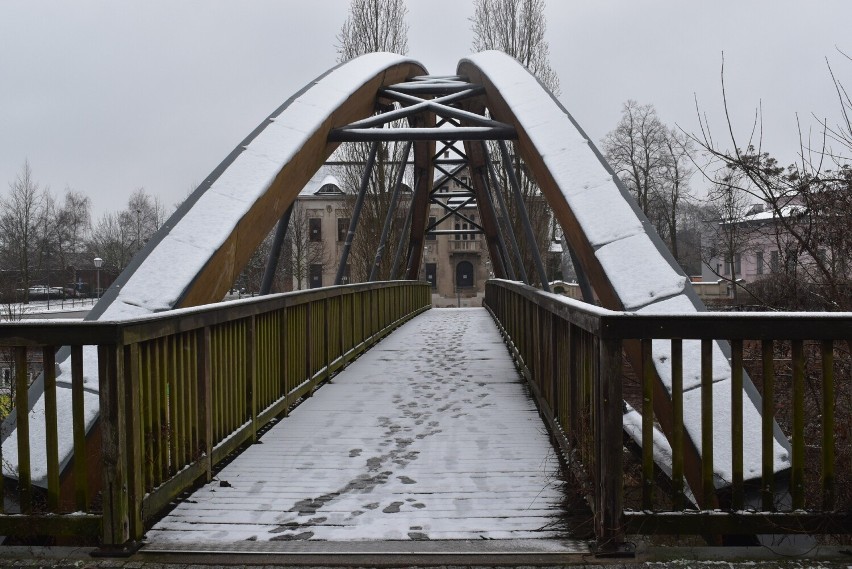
(74, 526)
(51, 429)
(81, 469)
(647, 425)
(797, 473)
(134, 442)
(707, 485)
(250, 348)
(113, 428)
(609, 516)
(737, 489)
(828, 478)
(767, 479)
(22, 427)
(205, 404)
(677, 425)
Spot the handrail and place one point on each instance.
(176, 393)
(571, 352)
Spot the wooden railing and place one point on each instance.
(571, 353)
(178, 392)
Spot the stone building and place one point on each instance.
(457, 265)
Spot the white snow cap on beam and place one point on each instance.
(161, 278)
(638, 270)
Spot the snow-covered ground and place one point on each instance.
(429, 435)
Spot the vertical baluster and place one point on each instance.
(206, 405)
(677, 424)
(163, 386)
(116, 520)
(147, 417)
(153, 364)
(174, 407)
(133, 441)
(81, 474)
(251, 374)
(708, 487)
(51, 429)
(737, 491)
(23, 427)
(767, 480)
(647, 425)
(797, 474)
(608, 410)
(828, 482)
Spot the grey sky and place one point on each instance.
(108, 96)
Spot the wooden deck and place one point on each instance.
(429, 435)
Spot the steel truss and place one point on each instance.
(446, 103)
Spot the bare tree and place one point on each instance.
(119, 235)
(68, 229)
(22, 225)
(300, 251)
(654, 162)
(636, 151)
(516, 27)
(675, 172)
(729, 230)
(372, 26)
(809, 202)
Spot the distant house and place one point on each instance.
(766, 247)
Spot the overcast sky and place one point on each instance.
(105, 97)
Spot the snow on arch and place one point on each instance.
(629, 266)
(195, 256)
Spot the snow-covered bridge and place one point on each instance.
(158, 386)
(429, 435)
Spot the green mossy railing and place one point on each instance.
(572, 355)
(178, 392)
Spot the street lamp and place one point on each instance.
(98, 263)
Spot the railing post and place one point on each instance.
(116, 522)
(133, 415)
(205, 405)
(251, 374)
(609, 526)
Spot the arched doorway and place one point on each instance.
(464, 274)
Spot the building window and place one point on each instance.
(432, 274)
(315, 229)
(431, 227)
(465, 180)
(738, 264)
(464, 274)
(458, 227)
(345, 278)
(444, 189)
(726, 265)
(6, 376)
(315, 276)
(773, 262)
(758, 262)
(342, 228)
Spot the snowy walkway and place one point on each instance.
(429, 435)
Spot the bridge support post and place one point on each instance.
(275, 251)
(609, 509)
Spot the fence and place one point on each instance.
(178, 392)
(572, 354)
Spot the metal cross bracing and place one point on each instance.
(449, 111)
